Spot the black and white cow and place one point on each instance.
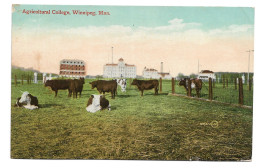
(96, 103)
(27, 101)
(122, 84)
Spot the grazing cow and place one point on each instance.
(146, 85)
(105, 86)
(27, 101)
(97, 102)
(58, 85)
(76, 86)
(195, 84)
(122, 84)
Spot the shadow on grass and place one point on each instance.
(50, 105)
(123, 96)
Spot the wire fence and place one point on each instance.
(230, 90)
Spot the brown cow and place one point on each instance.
(195, 84)
(76, 86)
(58, 85)
(105, 86)
(146, 85)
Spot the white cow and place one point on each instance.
(96, 103)
(122, 84)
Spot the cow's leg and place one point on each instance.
(156, 90)
(69, 95)
(142, 92)
(56, 92)
(115, 93)
(112, 94)
(198, 93)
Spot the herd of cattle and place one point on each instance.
(99, 102)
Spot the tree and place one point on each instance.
(180, 75)
(193, 75)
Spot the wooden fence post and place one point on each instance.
(235, 83)
(173, 84)
(22, 79)
(250, 84)
(241, 96)
(15, 80)
(227, 82)
(223, 81)
(210, 89)
(189, 87)
(27, 79)
(160, 85)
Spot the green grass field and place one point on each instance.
(159, 127)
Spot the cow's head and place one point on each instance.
(182, 82)
(82, 80)
(134, 82)
(93, 84)
(25, 98)
(48, 83)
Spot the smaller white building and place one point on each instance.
(206, 74)
(151, 73)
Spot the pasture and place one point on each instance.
(151, 127)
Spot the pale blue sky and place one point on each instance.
(208, 17)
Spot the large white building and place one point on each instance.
(150, 73)
(206, 74)
(120, 70)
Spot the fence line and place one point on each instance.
(232, 92)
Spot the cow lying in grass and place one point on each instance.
(27, 101)
(96, 103)
(146, 85)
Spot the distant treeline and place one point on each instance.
(232, 75)
(19, 72)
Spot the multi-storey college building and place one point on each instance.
(72, 68)
(120, 70)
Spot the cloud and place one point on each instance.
(174, 25)
(232, 29)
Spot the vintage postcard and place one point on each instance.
(132, 82)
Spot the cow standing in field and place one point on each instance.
(146, 85)
(105, 86)
(58, 85)
(76, 86)
(195, 84)
(122, 84)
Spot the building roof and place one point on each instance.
(206, 71)
(72, 60)
(164, 73)
(111, 64)
(120, 60)
(129, 65)
(151, 69)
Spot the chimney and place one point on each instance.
(161, 67)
